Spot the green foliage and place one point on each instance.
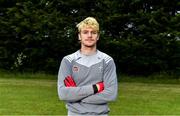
(142, 36)
(39, 33)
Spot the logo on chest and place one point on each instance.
(75, 68)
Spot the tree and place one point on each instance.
(142, 36)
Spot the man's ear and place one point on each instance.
(98, 38)
(79, 37)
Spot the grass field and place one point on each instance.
(36, 94)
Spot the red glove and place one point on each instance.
(69, 82)
(100, 86)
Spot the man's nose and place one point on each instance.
(89, 34)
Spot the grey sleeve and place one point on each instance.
(70, 94)
(111, 86)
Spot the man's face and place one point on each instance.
(88, 37)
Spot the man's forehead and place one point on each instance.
(88, 29)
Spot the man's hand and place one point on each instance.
(98, 87)
(69, 82)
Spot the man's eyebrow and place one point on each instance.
(88, 30)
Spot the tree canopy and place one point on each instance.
(143, 37)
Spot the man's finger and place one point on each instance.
(71, 81)
(67, 84)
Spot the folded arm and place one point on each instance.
(70, 94)
(110, 87)
(67, 89)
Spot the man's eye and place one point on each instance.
(85, 32)
(94, 32)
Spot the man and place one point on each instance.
(87, 79)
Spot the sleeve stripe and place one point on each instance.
(108, 59)
(69, 58)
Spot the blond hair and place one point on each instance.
(88, 22)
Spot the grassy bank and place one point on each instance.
(36, 94)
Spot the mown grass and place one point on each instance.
(36, 94)
(147, 99)
(29, 97)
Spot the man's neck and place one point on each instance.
(88, 50)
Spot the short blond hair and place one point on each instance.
(88, 22)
